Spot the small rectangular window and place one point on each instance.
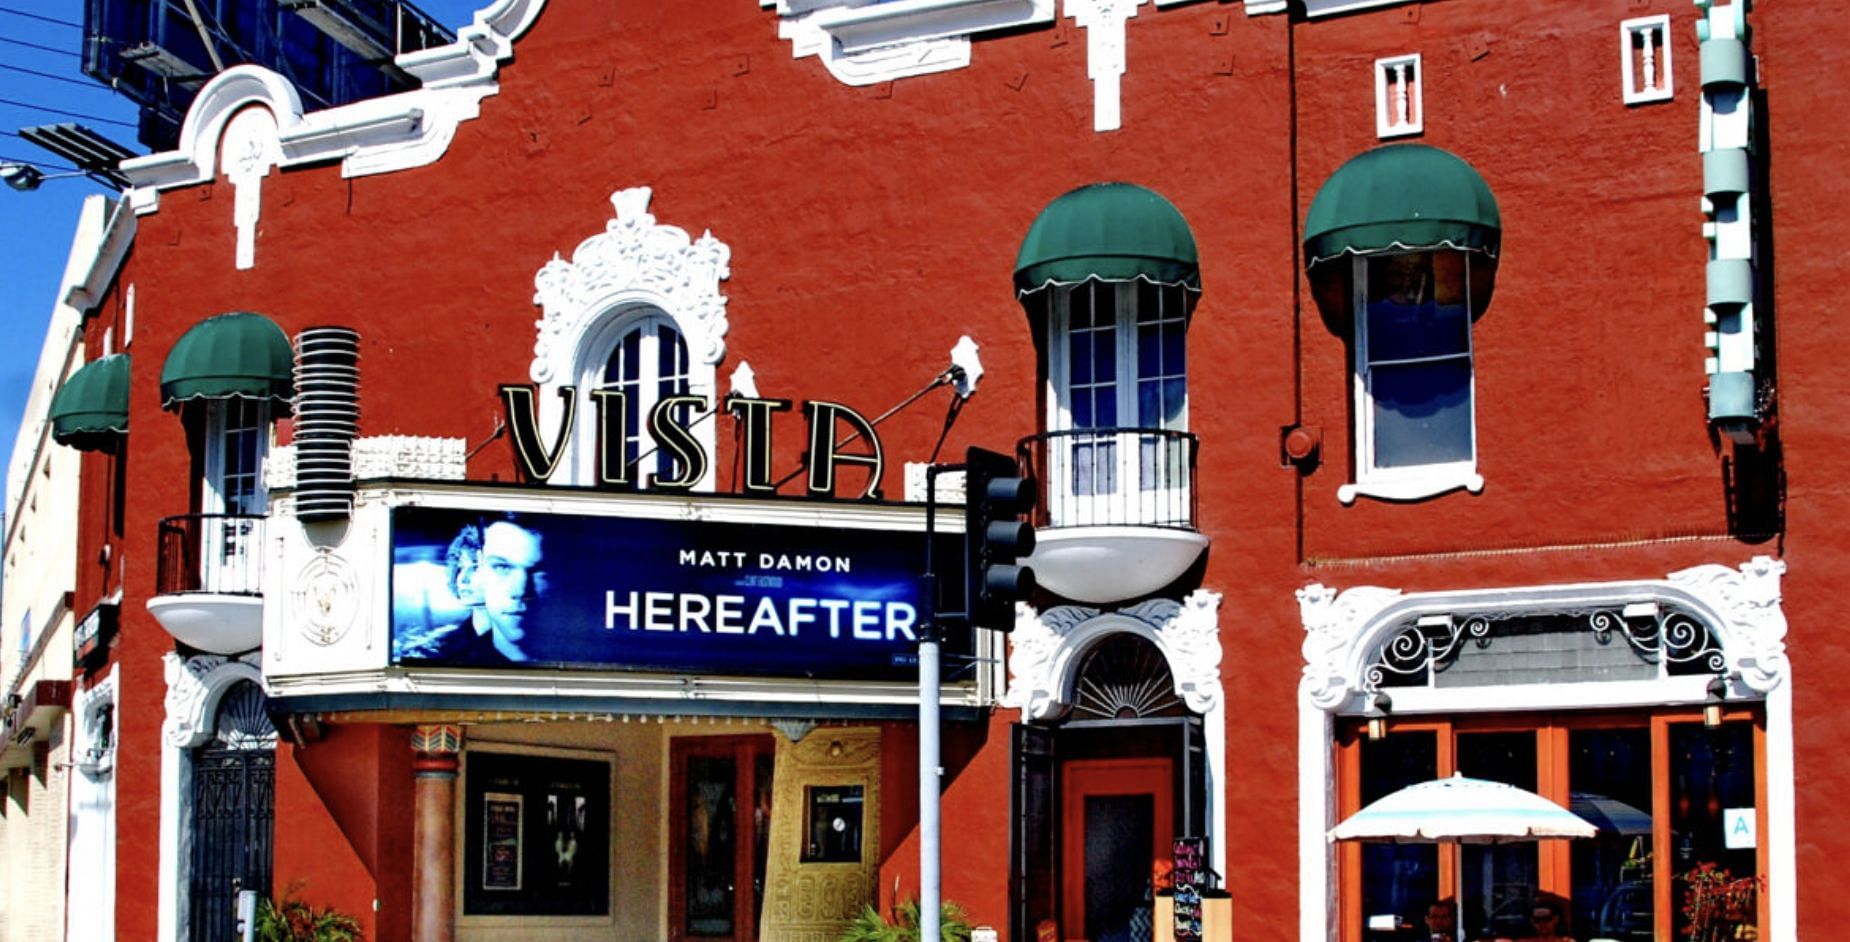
(832, 823)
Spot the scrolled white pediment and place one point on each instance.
(1045, 648)
(1741, 606)
(633, 261)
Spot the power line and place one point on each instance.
(86, 83)
(38, 16)
(68, 114)
(40, 47)
(41, 164)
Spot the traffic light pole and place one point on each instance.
(930, 883)
(994, 543)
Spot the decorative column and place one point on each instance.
(433, 903)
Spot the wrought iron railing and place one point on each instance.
(217, 553)
(1137, 477)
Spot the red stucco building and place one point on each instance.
(1321, 514)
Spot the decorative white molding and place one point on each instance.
(405, 457)
(326, 596)
(1103, 21)
(410, 456)
(247, 153)
(1644, 59)
(1740, 605)
(950, 486)
(1417, 484)
(865, 42)
(1748, 598)
(91, 902)
(1400, 101)
(1343, 632)
(633, 266)
(194, 685)
(1330, 625)
(378, 135)
(1317, 8)
(1045, 649)
(633, 260)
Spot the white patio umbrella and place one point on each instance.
(1461, 810)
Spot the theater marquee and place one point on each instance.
(473, 589)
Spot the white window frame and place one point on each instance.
(594, 353)
(1400, 96)
(229, 548)
(1663, 78)
(1095, 507)
(1407, 482)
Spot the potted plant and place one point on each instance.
(903, 926)
(291, 919)
(1717, 905)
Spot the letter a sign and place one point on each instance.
(1738, 828)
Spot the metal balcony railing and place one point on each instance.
(1134, 477)
(216, 553)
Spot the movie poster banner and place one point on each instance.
(504, 590)
(538, 836)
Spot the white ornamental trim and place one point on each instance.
(632, 261)
(378, 135)
(194, 686)
(1344, 629)
(862, 42)
(1046, 647)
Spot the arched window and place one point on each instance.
(643, 355)
(637, 308)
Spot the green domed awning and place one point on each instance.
(1401, 196)
(92, 406)
(239, 354)
(1114, 231)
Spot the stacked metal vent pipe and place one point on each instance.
(327, 382)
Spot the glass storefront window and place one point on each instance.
(1613, 875)
(1398, 880)
(1499, 880)
(1677, 805)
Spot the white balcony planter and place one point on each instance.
(1105, 564)
(217, 624)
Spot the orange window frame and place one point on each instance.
(1555, 857)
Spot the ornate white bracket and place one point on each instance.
(1103, 21)
(1342, 631)
(1046, 647)
(194, 686)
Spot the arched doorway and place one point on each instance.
(1103, 788)
(232, 814)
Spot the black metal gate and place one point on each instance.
(234, 784)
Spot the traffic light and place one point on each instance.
(995, 498)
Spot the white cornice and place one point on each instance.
(378, 135)
(865, 43)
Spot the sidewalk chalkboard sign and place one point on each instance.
(1190, 876)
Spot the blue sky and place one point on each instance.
(41, 83)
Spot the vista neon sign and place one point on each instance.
(670, 425)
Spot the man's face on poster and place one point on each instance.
(511, 577)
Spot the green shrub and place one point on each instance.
(292, 920)
(871, 926)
